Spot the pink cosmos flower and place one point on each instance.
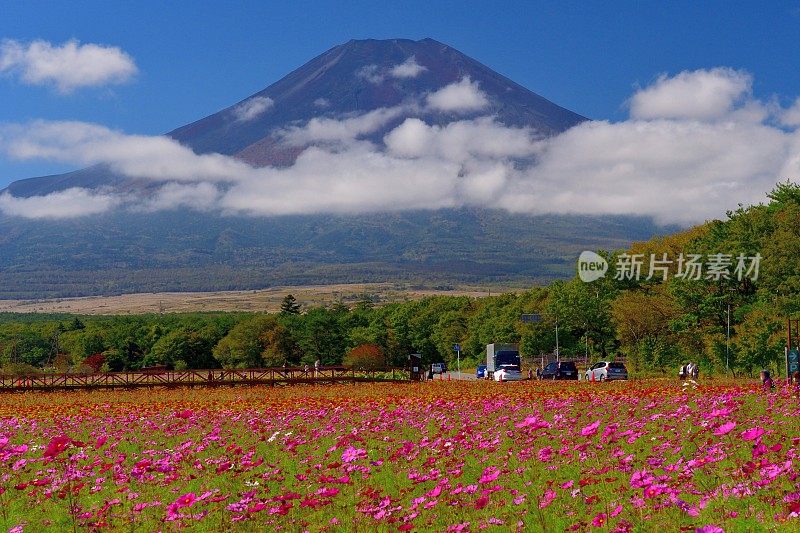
(600, 520)
(481, 502)
(490, 474)
(547, 499)
(187, 500)
(353, 454)
(709, 529)
(752, 433)
(57, 446)
(641, 478)
(532, 422)
(327, 492)
(724, 429)
(545, 454)
(591, 429)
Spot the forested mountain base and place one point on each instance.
(156, 252)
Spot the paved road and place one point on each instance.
(453, 375)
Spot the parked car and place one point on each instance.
(507, 373)
(560, 370)
(438, 368)
(480, 372)
(607, 370)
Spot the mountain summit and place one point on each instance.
(376, 161)
(378, 82)
(362, 76)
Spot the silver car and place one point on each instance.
(607, 370)
(507, 373)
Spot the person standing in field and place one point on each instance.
(766, 380)
(316, 368)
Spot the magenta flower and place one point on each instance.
(490, 474)
(57, 446)
(187, 500)
(600, 520)
(481, 502)
(591, 429)
(545, 454)
(547, 499)
(353, 454)
(724, 429)
(752, 433)
(709, 529)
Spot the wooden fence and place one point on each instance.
(203, 378)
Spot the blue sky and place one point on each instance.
(194, 58)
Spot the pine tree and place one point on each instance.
(289, 306)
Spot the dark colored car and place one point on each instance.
(560, 370)
(480, 372)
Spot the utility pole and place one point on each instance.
(728, 341)
(557, 353)
(586, 343)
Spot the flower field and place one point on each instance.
(442, 456)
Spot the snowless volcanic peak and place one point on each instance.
(366, 87)
(393, 79)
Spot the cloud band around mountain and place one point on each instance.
(673, 159)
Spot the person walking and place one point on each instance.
(766, 380)
(316, 368)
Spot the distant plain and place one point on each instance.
(256, 300)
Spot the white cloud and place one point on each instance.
(199, 196)
(676, 171)
(330, 130)
(252, 108)
(371, 73)
(699, 94)
(142, 156)
(69, 203)
(685, 168)
(377, 75)
(69, 66)
(482, 138)
(461, 96)
(322, 103)
(354, 181)
(407, 69)
(791, 117)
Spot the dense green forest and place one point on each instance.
(656, 324)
